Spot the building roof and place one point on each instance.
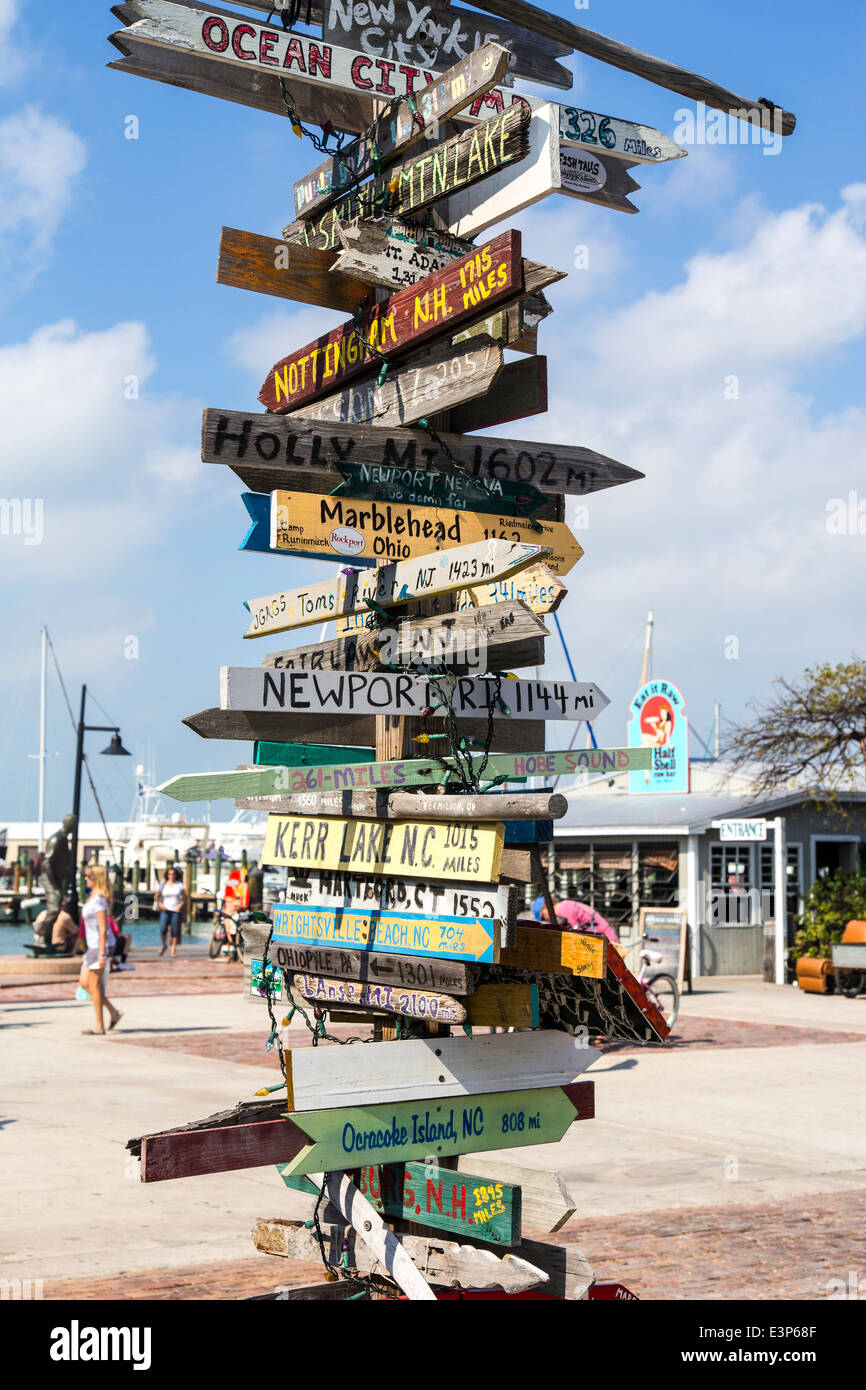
(682, 814)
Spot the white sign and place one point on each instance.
(740, 830)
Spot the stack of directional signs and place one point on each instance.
(393, 759)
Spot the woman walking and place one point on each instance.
(98, 940)
(170, 899)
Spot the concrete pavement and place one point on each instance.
(675, 1129)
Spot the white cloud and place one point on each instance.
(104, 465)
(275, 334)
(10, 57)
(727, 534)
(40, 161)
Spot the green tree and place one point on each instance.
(813, 727)
(832, 903)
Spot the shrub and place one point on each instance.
(831, 904)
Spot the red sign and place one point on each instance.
(461, 291)
(617, 1292)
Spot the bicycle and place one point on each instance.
(228, 942)
(661, 989)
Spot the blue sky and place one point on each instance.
(740, 264)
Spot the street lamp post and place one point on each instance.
(115, 749)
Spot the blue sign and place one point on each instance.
(401, 933)
(258, 537)
(658, 721)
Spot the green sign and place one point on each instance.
(459, 491)
(308, 754)
(345, 1139)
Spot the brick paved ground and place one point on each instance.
(198, 976)
(781, 1250)
(694, 1033)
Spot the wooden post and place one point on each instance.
(29, 877)
(542, 881)
(136, 875)
(122, 869)
(147, 873)
(217, 873)
(16, 876)
(188, 885)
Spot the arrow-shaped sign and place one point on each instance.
(381, 692)
(417, 487)
(269, 781)
(352, 591)
(405, 933)
(344, 1139)
(309, 523)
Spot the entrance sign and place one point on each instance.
(743, 831)
(407, 319)
(379, 692)
(658, 721)
(414, 848)
(309, 523)
(353, 592)
(402, 933)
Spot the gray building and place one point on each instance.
(621, 853)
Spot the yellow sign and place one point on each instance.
(412, 849)
(347, 527)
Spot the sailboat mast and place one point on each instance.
(42, 754)
(646, 650)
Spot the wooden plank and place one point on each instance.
(620, 55)
(208, 786)
(404, 1003)
(354, 592)
(393, 254)
(375, 967)
(421, 488)
(268, 265)
(508, 734)
(391, 1133)
(404, 933)
(395, 805)
(432, 35)
(266, 450)
(339, 1292)
(432, 1069)
(381, 1242)
(356, 530)
(539, 588)
(441, 1261)
(545, 1199)
(443, 377)
(614, 136)
(399, 127)
(546, 168)
(363, 893)
(307, 754)
(519, 390)
(407, 319)
(494, 637)
(349, 111)
(439, 1197)
(503, 1006)
(560, 953)
(423, 180)
(256, 689)
(224, 1150)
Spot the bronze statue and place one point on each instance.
(55, 873)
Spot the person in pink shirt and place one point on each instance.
(579, 916)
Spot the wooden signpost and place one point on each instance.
(287, 270)
(407, 319)
(508, 734)
(340, 1139)
(390, 584)
(266, 451)
(356, 530)
(393, 254)
(539, 588)
(374, 967)
(416, 487)
(380, 692)
(362, 893)
(307, 754)
(264, 781)
(405, 1003)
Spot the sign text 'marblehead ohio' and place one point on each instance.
(405, 320)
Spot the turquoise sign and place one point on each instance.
(658, 722)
